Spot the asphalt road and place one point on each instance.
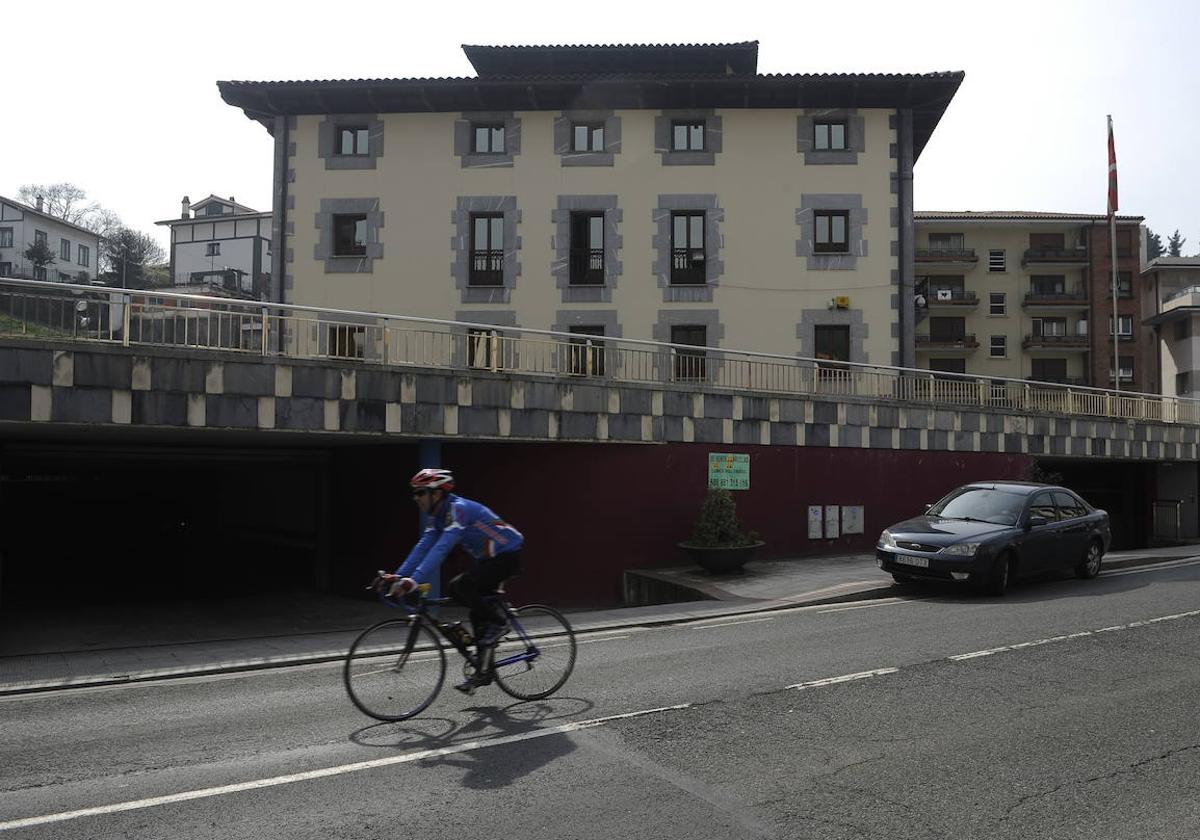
(1067, 709)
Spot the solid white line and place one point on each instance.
(884, 602)
(724, 624)
(1141, 570)
(258, 784)
(862, 675)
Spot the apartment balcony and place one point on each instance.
(951, 260)
(487, 268)
(1055, 257)
(587, 267)
(946, 342)
(1057, 343)
(951, 299)
(1074, 299)
(688, 267)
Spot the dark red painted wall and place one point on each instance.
(590, 511)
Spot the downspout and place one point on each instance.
(907, 244)
(277, 291)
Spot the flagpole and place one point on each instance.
(1112, 241)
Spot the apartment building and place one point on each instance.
(219, 246)
(1029, 296)
(654, 192)
(1171, 288)
(76, 249)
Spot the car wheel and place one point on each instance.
(901, 578)
(1090, 567)
(997, 580)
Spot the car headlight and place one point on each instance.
(886, 540)
(961, 549)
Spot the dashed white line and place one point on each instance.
(844, 678)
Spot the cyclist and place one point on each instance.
(493, 544)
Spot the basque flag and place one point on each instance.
(1112, 170)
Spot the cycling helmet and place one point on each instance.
(432, 479)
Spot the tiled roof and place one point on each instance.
(1015, 216)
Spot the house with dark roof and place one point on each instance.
(76, 249)
(667, 192)
(221, 247)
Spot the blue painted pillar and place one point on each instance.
(429, 454)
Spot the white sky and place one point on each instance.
(140, 124)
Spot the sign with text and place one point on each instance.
(728, 471)
(852, 519)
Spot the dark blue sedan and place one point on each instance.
(989, 533)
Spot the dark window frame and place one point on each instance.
(586, 258)
(992, 303)
(829, 125)
(360, 143)
(997, 261)
(212, 249)
(338, 225)
(40, 236)
(6, 237)
(1003, 347)
(689, 264)
(84, 256)
(486, 266)
(480, 338)
(495, 131)
(587, 353)
(591, 129)
(690, 365)
(1124, 285)
(832, 246)
(5, 269)
(64, 248)
(689, 135)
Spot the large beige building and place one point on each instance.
(1028, 295)
(667, 193)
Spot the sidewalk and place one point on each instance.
(322, 632)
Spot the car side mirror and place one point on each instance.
(926, 508)
(1036, 522)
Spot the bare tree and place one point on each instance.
(68, 202)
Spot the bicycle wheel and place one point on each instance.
(536, 656)
(394, 669)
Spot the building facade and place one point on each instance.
(220, 246)
(1172, 288)
(1029, 296)
(76, 249)
(667, 193)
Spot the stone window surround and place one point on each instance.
(856, 136)
(460, 244)
(713, 137)
(713, 336)
(853, 318)
(564, 319)
(323, 250)
(713, 244)
(561, 269)
(811, 202)
(464, 139)
(563, 138)
(327, 141)
(484, 318)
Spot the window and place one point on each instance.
(5, 269)
(349, 235)
(487, 250)
(64, 249)
(1126, 366)
(1049, 370)
(1047, 241)
(947, 242)
(353, 140)
(6, 237)
(587, 351)
(85, 255)
(587, 137)
(1183, 382)
(832, 342)
(587, 249)
(687, 249)
(480, 347)
(1048, 284)
(687, 137)
(1124, 285)
(213, 249)
(832, 231)
(998, 347)
(347, 341)
(996, 261)
(1049, 327)
(1042, 504)
(39, 237)
(829, 136)
(215, 209)
(690, 365)
(948, 365)
(997, 304)
(1124, 325)
(1183, 329)
(488, 139)
(1081, 327)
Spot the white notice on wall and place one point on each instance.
(831, 522)
(815, 522)
(852, 519)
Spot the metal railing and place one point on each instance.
(953, 340)
(956, 297)
(587, 267)
(1054, 340)
(947, 254)
(1056, 255)
(1074, 296)
(87, 314)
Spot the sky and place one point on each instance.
(120, 98)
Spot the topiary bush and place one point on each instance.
(718, 525)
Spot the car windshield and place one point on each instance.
(980, 504)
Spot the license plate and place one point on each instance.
(921, 562)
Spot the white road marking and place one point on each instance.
(723, 624)
(861, 675)
(883, 602)
(976, 654)
(326, 772)
(1141, 570)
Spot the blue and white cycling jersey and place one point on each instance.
(482, 533)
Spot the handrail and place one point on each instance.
(204, 322)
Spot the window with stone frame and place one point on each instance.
(831, 233)
(587, 137)
(587, 249)
(350, 234)
(688, 254)
(690, 365)
(829, 135)
(483, 348)
(487, 250)
(587, 351)
(687, 136)
(353, 140)
(487, 138)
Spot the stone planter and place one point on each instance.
(721, 561)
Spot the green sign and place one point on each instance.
(728, 471)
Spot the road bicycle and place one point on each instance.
(396, 668)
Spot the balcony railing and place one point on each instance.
(951, 297)
(1073, 297)
(487, 268)
(1058, 380)
(1071, 340)
(946, 255)
(687, 267)
(68, 314)
(1056, 255)
(587, 267)
(941, 341)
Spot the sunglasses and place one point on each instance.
(419, 493)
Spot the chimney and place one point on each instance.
(39, 204)
(186, 212)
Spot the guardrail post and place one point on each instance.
(494, 342)
(266, 329)
(126, 319)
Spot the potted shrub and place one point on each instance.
(720, 544)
